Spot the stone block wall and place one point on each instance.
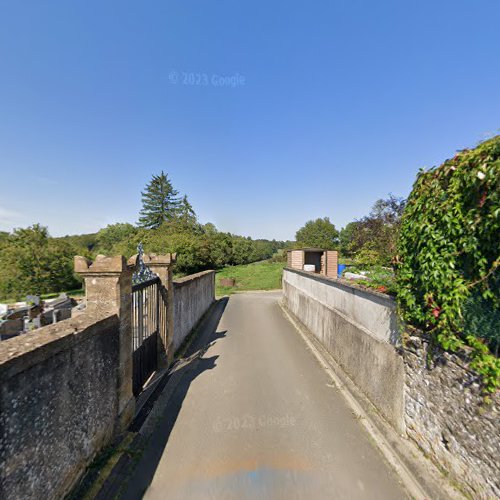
(58, 404)
(193, 295)
(446, 416)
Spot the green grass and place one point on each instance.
(263, 275)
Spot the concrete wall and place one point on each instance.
(58, 404)
(358, 328)
(193, 295)
(438, 404)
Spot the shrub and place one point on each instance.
(447, 267)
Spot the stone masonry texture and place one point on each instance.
(446, 416)
(58, 405)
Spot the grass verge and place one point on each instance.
(264, 275)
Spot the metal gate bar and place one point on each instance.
(145, 328)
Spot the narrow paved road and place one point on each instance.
(257, 417)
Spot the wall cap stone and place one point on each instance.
(350, 287)
(22, 352)
(154, 259)
(101, 265)
(192, 277)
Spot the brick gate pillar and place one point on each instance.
(108, 291)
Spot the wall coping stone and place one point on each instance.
(192, 277)
(349, 287)
(24, 351)
(102, 265)
(154, 259)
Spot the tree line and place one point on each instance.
(33, 262)
(370, 240)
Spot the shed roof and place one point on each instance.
(308, 249)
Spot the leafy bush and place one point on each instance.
(447, 268)
(368, 257)
(378, 277)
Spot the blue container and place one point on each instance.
(340, 269)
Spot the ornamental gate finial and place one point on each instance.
(142, 272)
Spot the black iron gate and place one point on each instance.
(145, 326)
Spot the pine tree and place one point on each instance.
(159, 202)
(186, 214)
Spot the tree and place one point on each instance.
(186, 212)
(159, 202)
(114, 234)
(346, 238)
(32, 262)
(377, 233)
(320, 233)
(184, 219)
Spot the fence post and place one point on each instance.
(108, 290)
(161, 265)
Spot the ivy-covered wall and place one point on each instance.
(447, 266)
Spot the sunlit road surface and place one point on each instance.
(257, 417)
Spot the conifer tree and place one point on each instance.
(186, 213)
(159, 202)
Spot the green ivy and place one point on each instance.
(448, 255)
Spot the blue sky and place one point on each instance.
(337, 104)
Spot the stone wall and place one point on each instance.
(357, 327)
(439, 406)
(193, 295)
(58, 404)
(446, 416)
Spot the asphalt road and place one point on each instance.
(256, 416)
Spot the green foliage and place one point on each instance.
(346, 237)
(33, 263)
(378, 277)
(257, 276)
(368, 257)
(112, 235)
(483, 321)
(3, 236)
(447, 269)
(159, 202)
(372, 240)
(203, 247)
(83, 244)
(279, 256)
(319, 233)
(186, 216)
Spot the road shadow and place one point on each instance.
(134, 472)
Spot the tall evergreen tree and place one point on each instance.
(186, 213)
(159, 202)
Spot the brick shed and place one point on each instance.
(324, 261)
